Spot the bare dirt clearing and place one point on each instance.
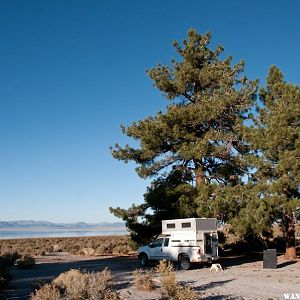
(243, 277)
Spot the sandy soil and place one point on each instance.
(246, 281)
(243, 277)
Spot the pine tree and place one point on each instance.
(276, 138)
(200, 132)
(201, 128)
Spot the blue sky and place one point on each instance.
(72, 71)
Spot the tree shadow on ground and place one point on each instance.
(220, 297)
(211, 285)
(286, 263)
(122, 285)
(237, 260)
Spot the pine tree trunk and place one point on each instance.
(290, 252)
(199, 175)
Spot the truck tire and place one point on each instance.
(184, 262)
(144, 261)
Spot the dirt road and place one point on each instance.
(242, 278)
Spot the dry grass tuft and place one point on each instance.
(170, 288)
(46, 292)
(168, 279)
(186, 293)
(143, 280)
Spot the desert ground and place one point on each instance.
(243, 277)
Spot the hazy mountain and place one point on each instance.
(31, 223)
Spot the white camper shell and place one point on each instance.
(187, 241)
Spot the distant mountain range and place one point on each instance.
(31, 223)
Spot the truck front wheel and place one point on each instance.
(184, 262)
(144, 261)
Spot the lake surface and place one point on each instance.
(13, 233)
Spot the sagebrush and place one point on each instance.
(143, 280)
(170, 288)
(102, 245)
(75, 285)
(25, 262)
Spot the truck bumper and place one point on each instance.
(205, 259)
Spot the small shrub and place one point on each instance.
(171, 290)
(143, 280)
(186, 293)
(8, 259)
(109, 247)
(56, 248)
(26, 262)
(168, 280)
(73, 249)
(101, 250)
(100, 286)
(5, 261)
(46, 292)
(4, 277)
(120, 249)
(93, 286)
(73, 282)
(88, 251)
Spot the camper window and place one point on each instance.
(171, 225)
(186, 225)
